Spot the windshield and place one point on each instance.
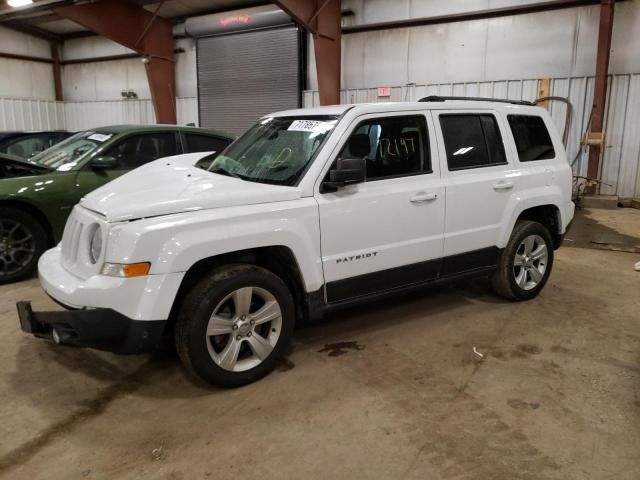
(66, 155)
(276, 150)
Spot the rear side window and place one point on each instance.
(204, 143)
(137, 150)
(472, 140)
(532, 138)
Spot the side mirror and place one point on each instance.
(104, 163)
(348, 171)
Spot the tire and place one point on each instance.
(254, 313)
(525, 264)
(22, 241)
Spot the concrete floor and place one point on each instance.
(391, 391)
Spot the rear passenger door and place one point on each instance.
(137, 150)
(480, 180)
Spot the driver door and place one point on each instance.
(386, 232)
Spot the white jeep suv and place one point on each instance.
(308, 211)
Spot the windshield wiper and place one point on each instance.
(222, 171)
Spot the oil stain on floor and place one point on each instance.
(340, 348)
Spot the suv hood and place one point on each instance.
(173, 185)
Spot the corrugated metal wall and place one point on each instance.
(620, 168)
(23, 114)
(83, 115)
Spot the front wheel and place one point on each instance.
(22, 241)
(525, 264)
(234, 325)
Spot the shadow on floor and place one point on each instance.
(586, 232)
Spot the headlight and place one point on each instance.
(95, 247)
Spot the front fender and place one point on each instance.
(174, 243)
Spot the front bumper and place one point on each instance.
(148, 297)
(100, 328)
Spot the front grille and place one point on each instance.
(71, 241)
(74, 248)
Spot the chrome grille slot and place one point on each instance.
(68, 240)
(77, 234)
(71, 240)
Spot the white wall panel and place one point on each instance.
(187, 109)
(444, 53)
(21, 114)
(629, 177)
(626, 38)
(20, 79)
(91, 47)
(104, 80)
(87, 115)
(186, 74)
(24, 79)
(23, 44)
(560, 43)
(374, 11)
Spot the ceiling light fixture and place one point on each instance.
(19, 3)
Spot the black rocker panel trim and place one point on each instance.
(400, 278)
(463, 262)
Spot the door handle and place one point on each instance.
(503, 185)
(423, 197)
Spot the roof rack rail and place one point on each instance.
(438, 98)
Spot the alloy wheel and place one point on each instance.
(17, 247)
(530, 262)
(244, 329)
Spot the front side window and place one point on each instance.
(472, 140)
(136, 150)
(276, 150)
(392, 147)
(67, 154)
(532, 138)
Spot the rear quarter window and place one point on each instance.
(532, 138)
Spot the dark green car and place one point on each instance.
(37, 195)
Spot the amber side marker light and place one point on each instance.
(126, 270)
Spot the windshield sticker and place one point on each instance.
(99, 137)
(313, 126)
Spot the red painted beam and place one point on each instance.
(605, 30)
(57, 74)
(322, 19)
(136, 28)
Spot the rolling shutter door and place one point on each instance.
(244, 76)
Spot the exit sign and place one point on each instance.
(384, 91)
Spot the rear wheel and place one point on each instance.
(22, 241)
(234, 325)
(525, 264)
